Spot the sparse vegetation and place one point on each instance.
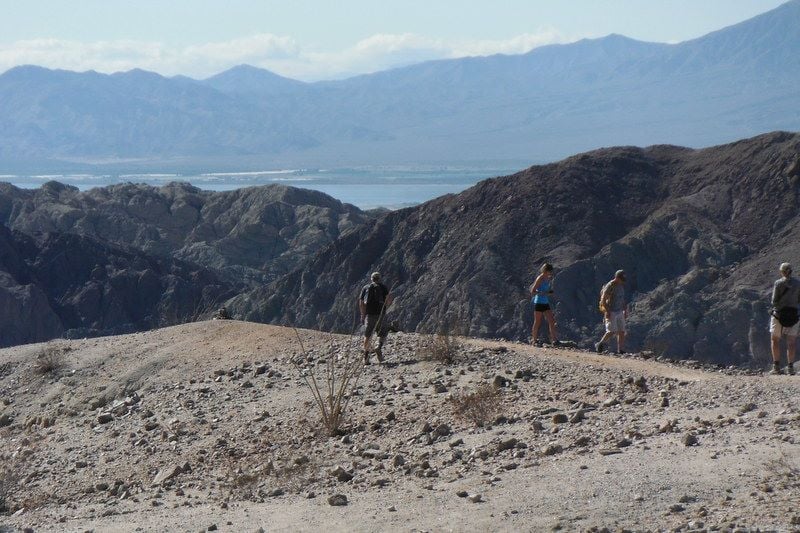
(51, 360)
(784, 471)
(480, 406)
(9, 480)
(444, 347)
(332, 389)
(256, 483)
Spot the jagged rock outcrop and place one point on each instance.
(248, 235)
(63, 284)
(701, 233)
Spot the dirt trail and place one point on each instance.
(644, 367)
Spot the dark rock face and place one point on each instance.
(249, 235)
(700, 232)
(62, 284)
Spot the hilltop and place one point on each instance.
(210, 424)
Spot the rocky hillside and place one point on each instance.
(67, 285)
(248, 235)
(700, 232)
(209, 426)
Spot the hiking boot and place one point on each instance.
(538, 343)
(379, 353)
(790, 370)
(621, 352)
(776, 371)
(599, 347)
(557, 343)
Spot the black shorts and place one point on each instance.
(541, 308)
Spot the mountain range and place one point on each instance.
(543, 105)
(699, 231)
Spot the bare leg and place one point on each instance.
(551, 323)
(791, 347)
(620, 341)
(537, 323)
(776, 350)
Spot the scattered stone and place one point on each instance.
(475, 498)
(577, 417)
(509, 444)
(462, 494)
(560, 418)
(609, 451)
(552, 449)
(689, 439)
(341, 475)
(442, 430)
(499, 382)
(6, 420)
(166, 473)
(105, 418)
(337, 500)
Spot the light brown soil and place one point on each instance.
(242, 435)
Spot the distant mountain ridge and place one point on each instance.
(543, 105)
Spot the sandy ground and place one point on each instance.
(209, 425)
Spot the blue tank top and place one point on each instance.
(541, 293)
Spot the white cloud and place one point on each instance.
(280, 54)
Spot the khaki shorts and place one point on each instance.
(615, 323)
(373, 323)
(777, 331)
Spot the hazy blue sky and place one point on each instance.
(324, 39)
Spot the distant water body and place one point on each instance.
(392, 188)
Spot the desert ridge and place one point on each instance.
(212, 424)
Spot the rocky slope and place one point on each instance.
(209, 426)
(248, 235)
(700, 232)
(57, 285)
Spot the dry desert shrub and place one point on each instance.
(51, 360)
(332, 383)
(253, 484)
(784, 470)
(9, 483)
(479, 406)
(443, 347)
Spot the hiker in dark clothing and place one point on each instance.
(373, 300)
(784, 320)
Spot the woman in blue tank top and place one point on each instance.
(541, 290)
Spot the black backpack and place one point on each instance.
(788, 316)
(373, 299)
